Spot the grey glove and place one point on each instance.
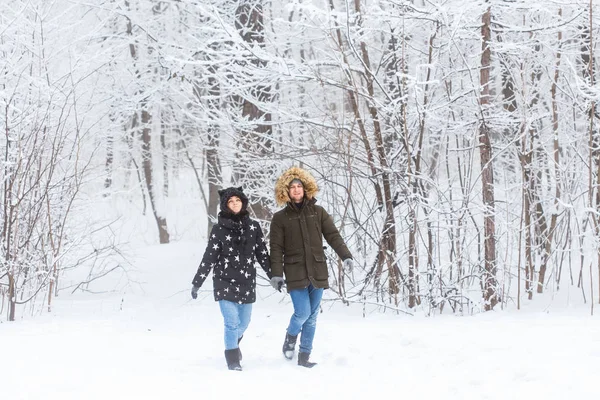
(195, 292)
(277, 283)
(348, 264)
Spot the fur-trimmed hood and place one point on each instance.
(309, 183)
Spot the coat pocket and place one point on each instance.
(320, 266)
(292, 259)
(294, 268)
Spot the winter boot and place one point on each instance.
(233, 359)
(303, 360)
(240, 351)
(289, 345)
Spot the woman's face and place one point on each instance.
(234, 204)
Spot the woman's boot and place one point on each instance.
(233, 359)
(240, 351)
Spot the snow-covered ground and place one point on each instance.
(152, 341)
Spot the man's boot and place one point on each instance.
(289, 345)
(303, 360)
(233, 359)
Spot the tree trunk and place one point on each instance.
(214, 176)
(109, 162)
(146, 119)
(413, 260)
(525, 157)
(389, 228)
(130, 138)
(161, 221)
(557, 169)
(255, 142)
(594, 149)
(487, 172)
(165, 155)
(12, 297)
(213, 161)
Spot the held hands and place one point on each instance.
(277, 283)
(195, 292)
(348, 264)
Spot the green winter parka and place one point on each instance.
(296, 239)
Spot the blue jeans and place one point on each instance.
(236, 318)
(306, 309)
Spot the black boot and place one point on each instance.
(240, 351)
(233, 359)
(289, 345)
(303, 360)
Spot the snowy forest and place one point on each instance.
(456, 143)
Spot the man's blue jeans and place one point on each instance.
(306, 309)
(236, 318)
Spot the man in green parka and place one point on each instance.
(296, 237)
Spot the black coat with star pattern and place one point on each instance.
(232, 250)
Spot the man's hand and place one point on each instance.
(195, 292)
(277, 283)
(348, 264)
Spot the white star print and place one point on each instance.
(224, 255)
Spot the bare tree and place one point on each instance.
(45, 160)
(487, 176)
(145, 132)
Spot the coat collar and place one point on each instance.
(234, 222)
(306, 203)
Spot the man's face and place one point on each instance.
(296, 192)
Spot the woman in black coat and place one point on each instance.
(236, 242)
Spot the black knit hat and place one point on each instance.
(226, 194)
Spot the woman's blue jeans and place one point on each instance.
(236, 318)
(306, 309)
